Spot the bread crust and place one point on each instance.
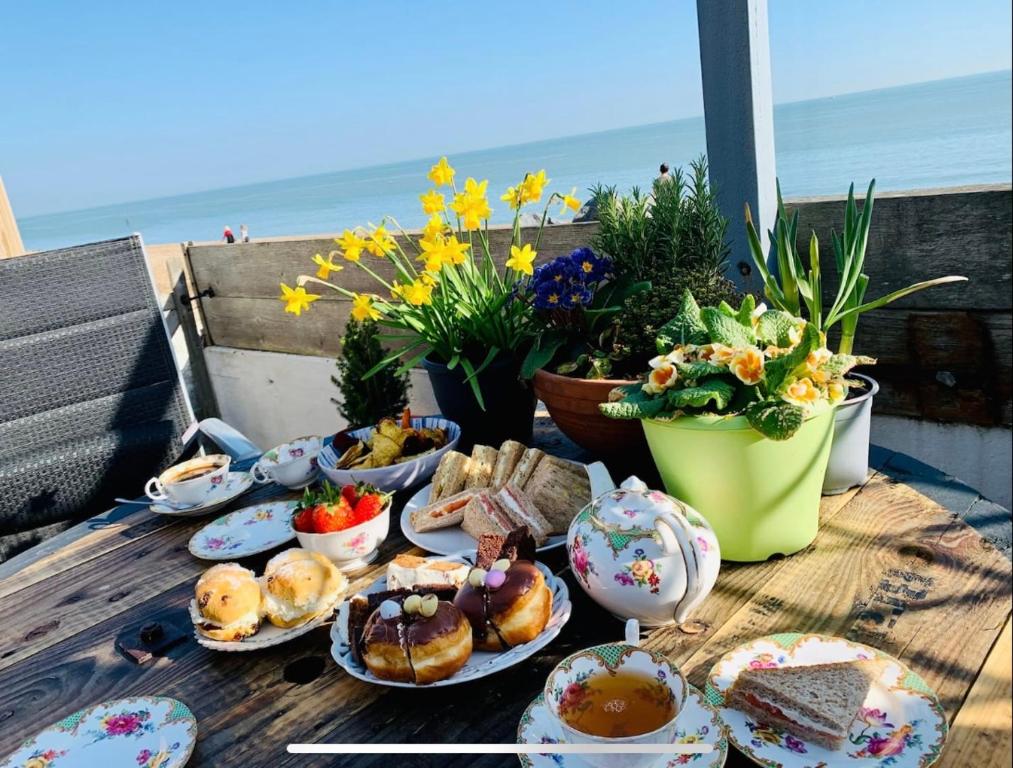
(450, 476)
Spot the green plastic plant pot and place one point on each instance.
(761, 496)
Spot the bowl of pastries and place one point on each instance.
(235, 610)
(448, 620)
(393, 455)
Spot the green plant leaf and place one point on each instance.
(774, 327)
(698, 370)
(778, 421)
(686, 327)
(746, 308)
(726, 309)
(717, 392)
(636, 404)
(777, 371)
(540, 355)
(726, 330)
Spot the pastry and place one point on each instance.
(526, 466)
(507, 605)
(483, 514)
(227, 604)
(518, 544)
(506, 462)
(406, 571)
(559, 490)
(522, 511)
(480, 466)
(441, 514)
(816, 703)
(416, 638)
(299, 585)
(450, 476)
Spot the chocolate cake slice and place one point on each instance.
(518, 544)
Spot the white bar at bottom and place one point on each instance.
(500, 749)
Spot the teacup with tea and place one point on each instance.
(191, 482)
(292, 464)
(617, 694)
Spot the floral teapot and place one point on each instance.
(644, 555)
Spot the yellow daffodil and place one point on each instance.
(472, 205)
(433, 202)
(380, 242)
(296, 299)
(454, 251)
(434, 228)
(442, 250)
(362, 308)
(441, 174)
(351, 245)
(802, 392)
(512, 197)
(522, 259)
(718, 354)
(661, 378)
(417, 292)
(532, 186)
(747, 365)
(326, 266)
(571, 202)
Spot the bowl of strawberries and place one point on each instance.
(345, 523)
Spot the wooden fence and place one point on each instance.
(944, 354)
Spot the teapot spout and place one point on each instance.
(601, 480)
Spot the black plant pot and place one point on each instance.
(509, 403)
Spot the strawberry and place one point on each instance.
(303, 521)
(336, 516)
(369, 506)
(350, 494)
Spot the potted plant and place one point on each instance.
(796, 288)
(365, 401)
(447, 303)
(738, 412)
(576, 301)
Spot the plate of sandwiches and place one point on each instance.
(235, 610)
(495, 490)
(796, 700)
(453, 619)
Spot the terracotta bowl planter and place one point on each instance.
(573, 405)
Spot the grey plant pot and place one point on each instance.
(849, 454)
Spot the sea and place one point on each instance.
(935, 134)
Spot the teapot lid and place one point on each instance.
(632, 507)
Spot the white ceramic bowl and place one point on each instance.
(353, 548)
(396, 477)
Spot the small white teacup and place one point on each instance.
(567, 696)
(190, 482)
(292, 464)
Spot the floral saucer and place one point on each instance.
(235, 485)
(698, 724)
(900, 725)
(247, 531)
(142, 732)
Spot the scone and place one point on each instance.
(299, 585)
(227, 605)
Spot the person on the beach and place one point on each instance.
(227, 235)
(663, 174)
(244, 234)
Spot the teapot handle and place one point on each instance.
(632, 632)
(677, 537)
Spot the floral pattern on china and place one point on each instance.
(643, 554)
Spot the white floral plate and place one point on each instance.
(445, 541)
(235, 485)
(268, 635)
(141, 732)
(698, 724)
(247, 531)
(901, 724)
(481, 663)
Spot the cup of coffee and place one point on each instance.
(190, 482)
(617, 694)
(292, 464)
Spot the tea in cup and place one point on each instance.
(292, 464)
(191, 482)
(617, 694)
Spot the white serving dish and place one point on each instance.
(354, 548)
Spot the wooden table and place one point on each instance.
(896, 565)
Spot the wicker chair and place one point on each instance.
(91, 403)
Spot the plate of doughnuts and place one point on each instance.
(446, 620)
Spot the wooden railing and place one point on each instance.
(944, 354)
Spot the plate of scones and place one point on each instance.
(494, 491)
(447, 620)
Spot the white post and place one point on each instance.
(739, 118)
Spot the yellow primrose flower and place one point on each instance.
(513, 197)
(836, 392)
(716, 353)
(296, 299)
(433, 202)
(532, 186)
(380, 242)
(680, 353)
(747, 365)
(795, 333)
(351, 245)
(661, 378)
(362, 308)
(326, 266)
(818, 358)
(434, 228)
(521, 259)
(773, 351)
(801, 392)
(756, 313)
(571, 202)
(441, 174)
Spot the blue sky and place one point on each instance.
(108, 102)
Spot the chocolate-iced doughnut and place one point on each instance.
(505, 611)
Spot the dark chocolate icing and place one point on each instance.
(482, 606)
(417, 629)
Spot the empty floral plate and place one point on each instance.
(698, 724)
(901, 723)
(235, 485)
(141, 732)
(247, 531)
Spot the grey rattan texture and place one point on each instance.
(91, 403)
